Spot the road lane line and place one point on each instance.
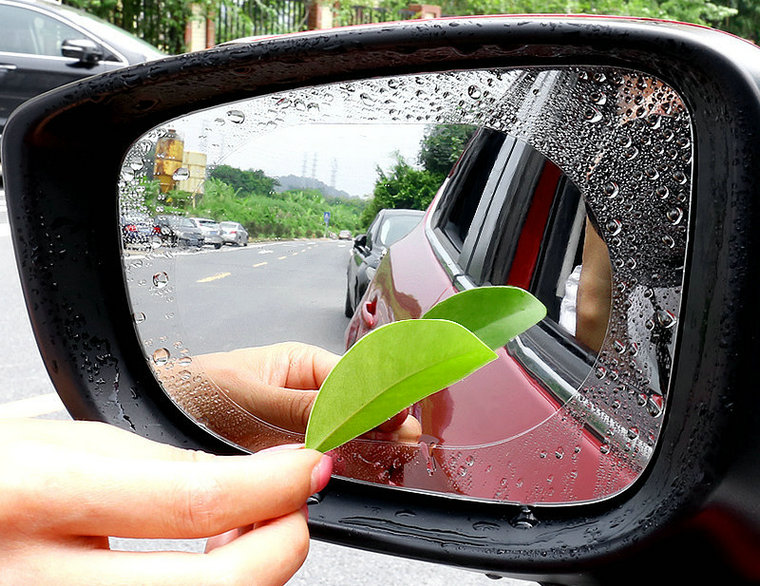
(213, 278)
(31, 407)
(259, 264)
(282, 258)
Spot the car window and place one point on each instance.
(396, 227)
(29, 31)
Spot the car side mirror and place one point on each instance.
(640, 136)
(360, 242)
(86, 51)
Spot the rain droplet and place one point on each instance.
(679, 177)
(675, 215)
(127, 174)
(654, 405)
(161, 356)
(604, 448)
(139, 317)
(474, 92)
(236, 116)
(633, 433)
(631, 153)
(181, 174)
(662, 192)
(160, 280)
(666, 319)
(367, 100)
(614, 226)
(668, 241)
(611, 189)
(591, 114)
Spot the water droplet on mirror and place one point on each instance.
(139, 317)
(474, 92)
(633, 433)
(614, 226)
(666, 319)
(160, 280)
(235, 116)
(611, 189)
(367, 100)
(591, 115)
(161, 356)
(668, 241)
(181, 174)
(675, 215)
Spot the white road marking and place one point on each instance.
(214, 278)
(259, 264)
(31, 407)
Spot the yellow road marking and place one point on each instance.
(259, 264)
(282, 258)
(31, 407)
(214, 278)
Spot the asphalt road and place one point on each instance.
(27, 392)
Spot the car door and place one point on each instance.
(30, 55)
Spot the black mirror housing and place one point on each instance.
(711, 437)
(360, 241)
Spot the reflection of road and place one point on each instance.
(250, 296)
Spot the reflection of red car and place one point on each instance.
(519, 427)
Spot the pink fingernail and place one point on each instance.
(320, 476)
(281, 448)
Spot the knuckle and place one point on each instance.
(300, 409)
(200, 502)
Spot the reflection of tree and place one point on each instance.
(406, 187)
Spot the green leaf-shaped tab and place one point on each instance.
(388, 370)
(494, 314)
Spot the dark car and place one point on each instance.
(44, 45)
(616, 443)
(178, 231)
(388, 227)
(137, 230)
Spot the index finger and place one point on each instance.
(188, 495)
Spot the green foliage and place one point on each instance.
(403, 362)
(405, 187)
(442, 146)
(246, 182)
(160, 23)
(386, 371)
(266, 214)
(696, 11)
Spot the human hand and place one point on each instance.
(66, 486)
(279, 383)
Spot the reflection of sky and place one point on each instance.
(344, 156)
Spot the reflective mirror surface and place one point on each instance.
(260, 222)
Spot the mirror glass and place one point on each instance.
(297, 218)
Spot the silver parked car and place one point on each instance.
(234, 233)
(212, 232)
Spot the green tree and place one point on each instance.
(246, 182)
(442, 145)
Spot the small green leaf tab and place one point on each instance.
(387, 370)
(494, 314)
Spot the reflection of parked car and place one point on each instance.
(234, 233)
(44, 45)
(136, 230)
(387, 227)
(211, 231)
(178, 231)
(344, 235)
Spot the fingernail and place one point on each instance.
(281, 448)
(321, 473)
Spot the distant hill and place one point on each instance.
(290, 182)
